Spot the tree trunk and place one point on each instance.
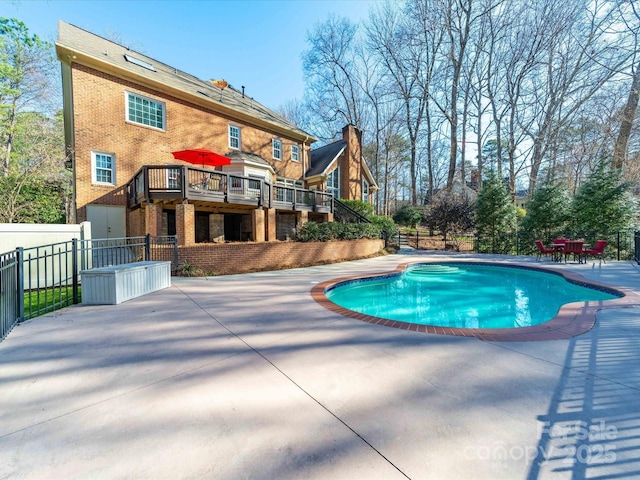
(9, 143)
(453, 151)
(628, 115)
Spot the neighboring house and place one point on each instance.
(340, 169)
(125, 114)
(521, 198)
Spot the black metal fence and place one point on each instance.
(10, 307)
(38, 280)
(621, 245)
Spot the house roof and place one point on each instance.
(322, 158)
(80, 46)
(247, 156)
(372, 181)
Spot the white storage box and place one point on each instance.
(119, 283)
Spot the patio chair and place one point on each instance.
(542, 250)
(573, 247)
(597, 251)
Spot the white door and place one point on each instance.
(107, 221)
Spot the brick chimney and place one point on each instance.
(351, 165)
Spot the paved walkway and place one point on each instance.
(245, 376)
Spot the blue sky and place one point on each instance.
(255, 43)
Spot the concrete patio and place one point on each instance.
(245, 376)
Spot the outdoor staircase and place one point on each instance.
(345, 214)
(403, 242)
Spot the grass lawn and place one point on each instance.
(39, 302)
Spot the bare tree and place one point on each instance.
(391, 38)
(580, 59)
(631, 19)
(534, 77)
(333, 93)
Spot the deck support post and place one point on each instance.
(270, 224)
(153, 219)
(258, 224)
(185, 224)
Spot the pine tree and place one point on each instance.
(495, 216)
(548, 213)
(603, 205)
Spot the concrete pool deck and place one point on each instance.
(245, 376)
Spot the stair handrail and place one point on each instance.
(346, 214)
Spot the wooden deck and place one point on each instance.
(178, 183)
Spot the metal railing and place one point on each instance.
(10, 312)
(38, 280)
(153, 182)
(345, 214)
(621, 245)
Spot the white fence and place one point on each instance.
(27, 236)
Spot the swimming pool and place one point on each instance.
(464, 295)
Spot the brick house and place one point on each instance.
(125, 113)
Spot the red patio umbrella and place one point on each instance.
(202, 156)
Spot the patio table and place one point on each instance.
(558, 250)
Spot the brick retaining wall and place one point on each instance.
(230, 258)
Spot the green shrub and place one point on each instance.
(363, 208)
(323, 232)
(386, 224)
(408, 216)
(188, 270)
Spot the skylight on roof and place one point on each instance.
(140, 63)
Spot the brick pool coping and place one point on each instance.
(572, 319)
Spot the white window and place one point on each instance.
(333, 183)
(295, 153)
(173, 179)
(234, 137)
(277, 149)
(289, 182)
(103, 168)
(236, 183)
(365, 191)
(145, 111)
(254, 182)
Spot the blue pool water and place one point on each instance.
(464, 295)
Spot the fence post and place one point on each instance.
(175, 251)
(20, 285)
(618, 235)
(74, 271)
(417, 239)
(147, 247)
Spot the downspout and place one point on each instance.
(69, 132)
(304, 161)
